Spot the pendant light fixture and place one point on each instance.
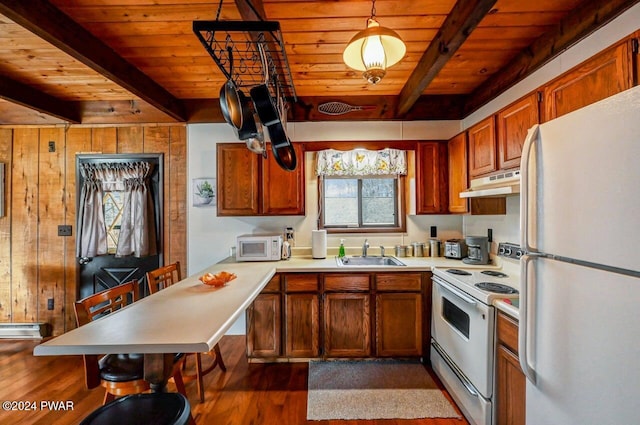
(374, 49)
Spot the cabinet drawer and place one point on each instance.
(507, 331)
(301, 282)
(398, 281)
(273, 285)
(346, 282)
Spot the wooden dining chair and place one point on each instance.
(164, 277)
(119, 374)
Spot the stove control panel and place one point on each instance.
(510, 250)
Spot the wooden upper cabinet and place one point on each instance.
(482, 147)
(604, 75)
(250, 185)
(513, 123)
(458, 176)
(282, 190)
(238, 180)
(431, 178)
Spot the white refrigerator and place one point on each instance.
(580, 280)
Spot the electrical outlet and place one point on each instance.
(64, 230)
(50, 304)
(52, 146)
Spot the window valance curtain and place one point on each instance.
(137, 225)
(361, 162)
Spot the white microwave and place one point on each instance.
(259, 248)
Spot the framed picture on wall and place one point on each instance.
(204, 192)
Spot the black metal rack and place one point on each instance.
(234, 47)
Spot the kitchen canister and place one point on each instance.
(319, 244)
(401, 250)
(418, 249)
(434, 247)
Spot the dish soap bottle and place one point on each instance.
(341, 252)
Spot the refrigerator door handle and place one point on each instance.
(529, 142)
(526, 319)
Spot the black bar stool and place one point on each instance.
(143, 409)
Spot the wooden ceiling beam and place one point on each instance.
(48, 22)
(251, 10)
(16, 92)
(461, 21)
(582, 21)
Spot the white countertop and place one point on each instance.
(187, 317)
(192, 317)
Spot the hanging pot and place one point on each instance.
(230, 102)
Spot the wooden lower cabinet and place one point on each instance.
(340, 315)
(510, 381)
(347, 325)
(264, 324)
(302, 327)
(399, 324)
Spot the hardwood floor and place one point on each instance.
(245, 394)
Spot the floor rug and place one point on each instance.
(377, 389)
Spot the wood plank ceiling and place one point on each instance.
(136, 61)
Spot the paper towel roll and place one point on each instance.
(319, 244)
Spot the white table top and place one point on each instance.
(188, 317)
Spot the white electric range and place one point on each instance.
(463, 330)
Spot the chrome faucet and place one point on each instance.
(381, 251)
(364, 247)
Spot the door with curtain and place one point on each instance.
(119, 219)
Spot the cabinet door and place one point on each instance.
(347, 325)
(482, 147)
(510, 389)
(513, 123)
(302, 329)
(510, 381)
(458, 177)
(238, 180)
(431, 178)
(398, 324)
(264, 323)
(604, 75)
(283, 191)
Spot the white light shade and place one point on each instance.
(394, 48)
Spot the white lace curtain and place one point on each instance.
(361, 162)
(137, 226)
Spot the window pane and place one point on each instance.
(341, 202)
(378, 201)
(113, 205)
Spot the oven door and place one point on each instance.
(463, 327)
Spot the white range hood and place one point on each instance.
(503, 184)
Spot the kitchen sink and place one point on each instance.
(372, 260)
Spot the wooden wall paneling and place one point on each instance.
(51, 213)
(6, 143)
(176, 176)
(77, 140)
(104, 140)
(24, 226)
(156, 140)
(130, 139)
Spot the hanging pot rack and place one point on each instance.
(242, 39)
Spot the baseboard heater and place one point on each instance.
(24, 330)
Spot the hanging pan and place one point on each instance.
(265, 105)
(230, 102)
